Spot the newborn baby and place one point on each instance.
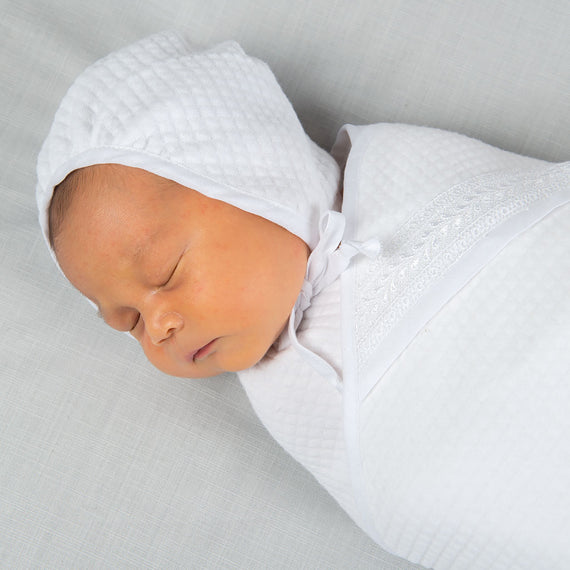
(398, 314)
(203, 286)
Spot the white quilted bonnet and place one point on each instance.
(214, 120)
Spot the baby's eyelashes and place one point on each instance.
(137, 330)
(136, 322)
(124, 322)
(172, 272)
(170, 276)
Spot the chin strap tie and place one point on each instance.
(327, 261)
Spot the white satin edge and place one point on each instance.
(302, 226)
(351, 401)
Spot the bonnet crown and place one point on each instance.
(214, 120)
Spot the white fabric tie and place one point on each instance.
(327, 261)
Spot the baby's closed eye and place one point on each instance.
(171, 273)
(124, 320)
(135, 323)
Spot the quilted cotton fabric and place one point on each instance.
(214, 120)
(429, 450)
(459, 387)
(466, 456)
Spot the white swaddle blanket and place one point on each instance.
(448, 440)
(423, 378)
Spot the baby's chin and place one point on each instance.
(204, 369)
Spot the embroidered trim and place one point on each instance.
(431, 241)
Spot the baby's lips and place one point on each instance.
(202, 352)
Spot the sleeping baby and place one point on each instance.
(397, 310)
(203, 286)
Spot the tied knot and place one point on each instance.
(327, 261)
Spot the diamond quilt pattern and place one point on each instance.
(302, 410)
(467, 189)
(215, 120)
(456, 437)
(467, 455)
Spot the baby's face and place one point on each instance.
(203, 286)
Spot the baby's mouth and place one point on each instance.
(202, 352)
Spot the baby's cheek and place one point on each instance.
(150, 351)
(162, 363)
(241, 353)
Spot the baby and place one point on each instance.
(203, 286)
(394, 312)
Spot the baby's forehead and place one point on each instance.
(116, 214)
(113, 183)
(104, 192)
(118, 174)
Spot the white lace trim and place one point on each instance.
(431, 241)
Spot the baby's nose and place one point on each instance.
(163, 326)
